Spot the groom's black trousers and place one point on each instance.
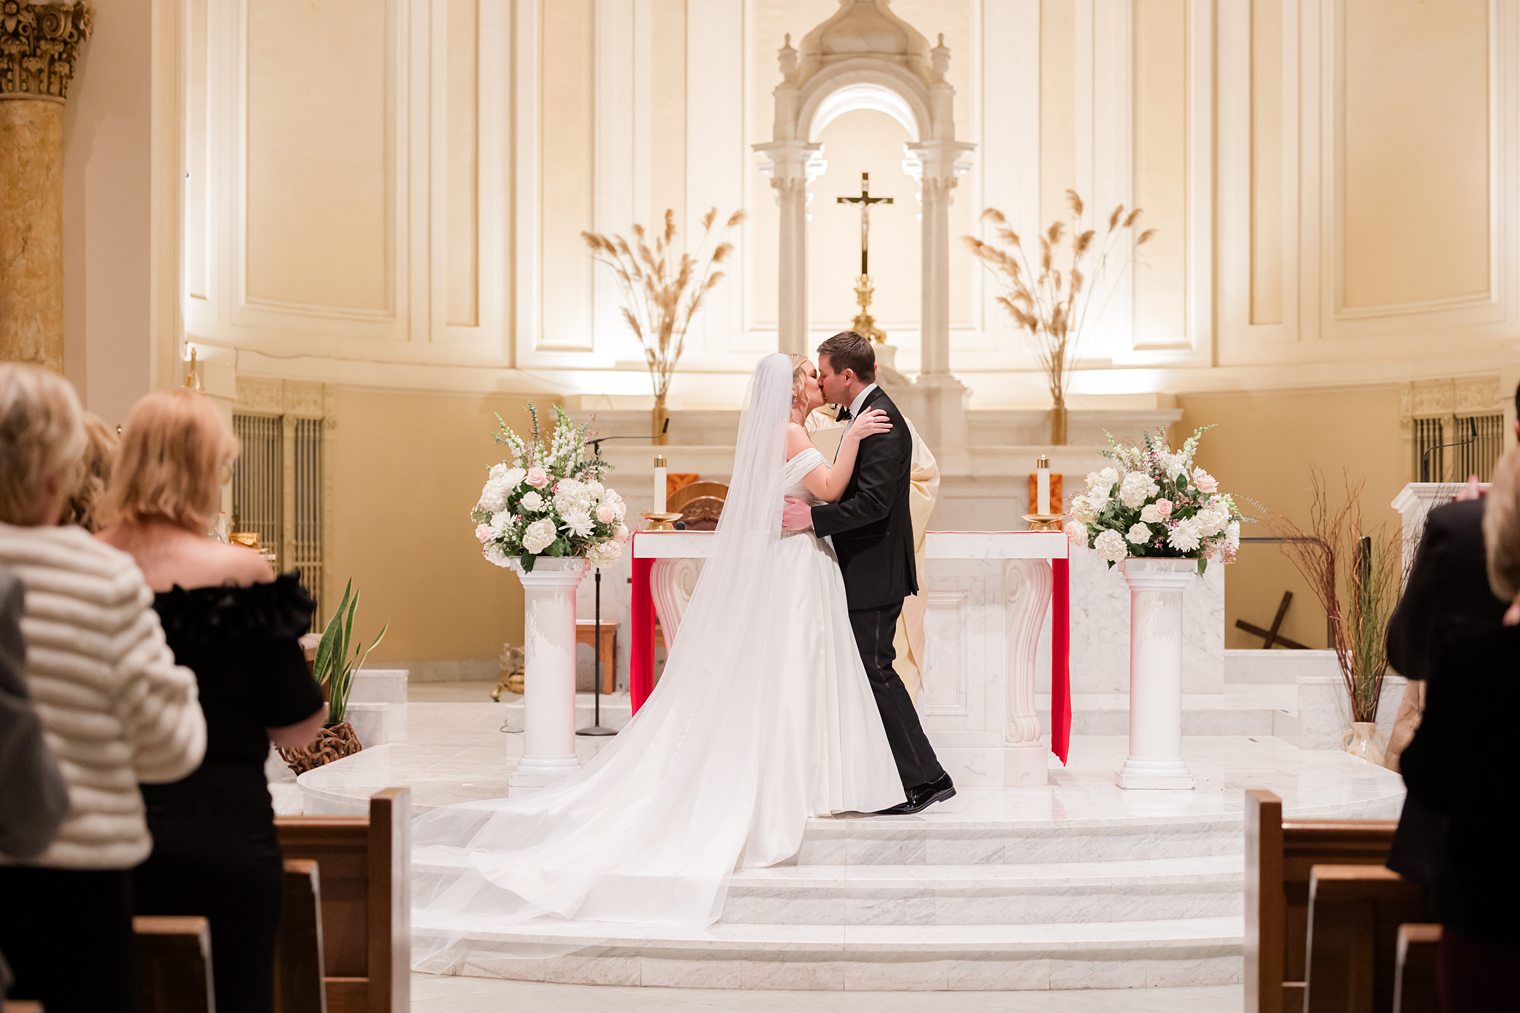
(874, 629)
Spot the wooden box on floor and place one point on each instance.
(171, 965)
(364, 864)
(1279, 859)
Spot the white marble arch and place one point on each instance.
(866, 57)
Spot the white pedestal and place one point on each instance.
(549, 672)
(1155, 673)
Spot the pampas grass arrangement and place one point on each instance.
(1051, 298)
(663, 288)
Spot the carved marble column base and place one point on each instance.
(31, 231)
(1025, 765)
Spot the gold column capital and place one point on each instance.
(39, 44)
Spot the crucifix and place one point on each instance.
(863, 323)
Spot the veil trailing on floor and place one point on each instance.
(651, 828)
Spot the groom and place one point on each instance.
(872, 529)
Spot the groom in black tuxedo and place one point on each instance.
(873, 538)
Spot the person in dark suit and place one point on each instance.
(1451, 631)
(872, 529)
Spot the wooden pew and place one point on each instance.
(1414, 991)
(365, 868)
(298, 983)
(171, 965)
(20, 1006)
(1279, 857)
(1354, 916)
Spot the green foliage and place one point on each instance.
(335, 664)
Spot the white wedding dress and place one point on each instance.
(763, 717)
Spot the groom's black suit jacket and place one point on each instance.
(871, 524)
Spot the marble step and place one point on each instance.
(379, 685)
(1158, 889)
(1133, 954)
(1240, 712)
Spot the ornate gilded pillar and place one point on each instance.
(39, 43)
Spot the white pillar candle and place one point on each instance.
(1042, 486)
(659, 484)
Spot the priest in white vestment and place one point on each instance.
(922, 494)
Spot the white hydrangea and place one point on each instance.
(1082, 509)
(604, 553)
(495, 555)
(578, 522)
(1136, 488)
(532, 501)
(1101, 483)
(1185, 536)
(494, 496)
(539, 535)
(1212, 518)
(1139, 534)
(1077, 532)
(573, 497)
(1111, 547)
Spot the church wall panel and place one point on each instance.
(461, 161)
(1162, 184)
(1265, 137)
(319, 204)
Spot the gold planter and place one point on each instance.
(1058, 421)
(658, 418)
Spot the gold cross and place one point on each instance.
(865, 200)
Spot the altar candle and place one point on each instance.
(1042, 485)
(659, 484)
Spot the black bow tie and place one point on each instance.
(844, 415)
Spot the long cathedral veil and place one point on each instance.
(651, 828)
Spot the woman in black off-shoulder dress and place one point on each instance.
(238, 628)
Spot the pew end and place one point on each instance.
(1414, 988)
(171, 965)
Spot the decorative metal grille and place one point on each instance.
(306, 536)
(258, 498)
(1487, 446)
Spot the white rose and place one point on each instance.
(1082, 509)
(1185, 536)
(539, 535)
(604, 553)
(1211, 520)
(1077, 532)
(1111, 547)
(595, 489)
(1151, 514)
(1136, 488)
(577, 522)
(532, 502)
(1204, 481)
(1139, 534)
(495, 555)
(1101, 483)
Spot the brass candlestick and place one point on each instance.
(1045, 522)
(661, 522)
(864, 324)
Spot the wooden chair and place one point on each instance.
(365, 866)
(298, 954)
(700, 504)
(1414, 989)
(1279, 860)
(171, 965)
(1354, 916)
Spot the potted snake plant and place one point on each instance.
(338, 658)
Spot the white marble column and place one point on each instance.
(549, 672)
(1154, 759)
(1026, 587)
(791, 166)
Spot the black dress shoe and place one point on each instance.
(922, 797)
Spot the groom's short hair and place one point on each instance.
(850, 350)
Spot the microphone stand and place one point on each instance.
(1472, 437)
(596, 728)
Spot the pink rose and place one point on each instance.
(605, 514)
(1204, 481)
(482, 533)
(537, 478)
(1164, 508)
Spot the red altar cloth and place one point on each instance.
(641, 662)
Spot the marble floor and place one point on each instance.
(432, 994)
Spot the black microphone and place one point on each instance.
(596, 444)
(1472, 437)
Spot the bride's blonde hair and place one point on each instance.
(799, 378)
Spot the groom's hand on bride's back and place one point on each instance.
(797, 515)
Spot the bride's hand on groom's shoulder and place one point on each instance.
(869, 423)
(796, 515)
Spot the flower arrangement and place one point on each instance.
(548, 500)
(663, 288)
(1050, 298)
(1154, 503)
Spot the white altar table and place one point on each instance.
(988, 594)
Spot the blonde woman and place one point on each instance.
(237, 626)
(115, 711)
(101, 445)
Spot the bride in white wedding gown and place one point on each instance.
(762, 718)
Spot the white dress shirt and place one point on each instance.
(855, 405)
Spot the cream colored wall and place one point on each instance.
(406, 469)
(1263, 449)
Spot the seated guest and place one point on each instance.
(36, 797)
(100, 446)
(237, 627)
(1457, 770)
(114, 707)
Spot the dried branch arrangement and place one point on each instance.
(1051, 298)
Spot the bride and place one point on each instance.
(763, 717)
